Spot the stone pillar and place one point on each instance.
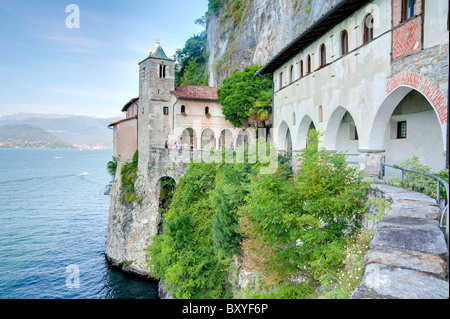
(373, 160)
(217, 143)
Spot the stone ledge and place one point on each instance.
(384, 282)
(411, 260)
(426, 241)
(408, 256)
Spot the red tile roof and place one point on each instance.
(195, 92)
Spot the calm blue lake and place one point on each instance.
(53, 223)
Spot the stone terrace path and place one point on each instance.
(408, 256)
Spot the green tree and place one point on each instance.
(192, 60)
(232, 181)
(246, 98)
(184, 256)
(214, 6)
(301, 223)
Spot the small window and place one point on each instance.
(291, 73)
(281, 80)
(401, 129)
(409, 9)
(323, 55)
(344, 42)
(308, 64)
(320, 114)
(301, 68)
(207, 110)
(183, 109)
(368, 28)
(166, 110)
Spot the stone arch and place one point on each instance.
(424, 86)
(226, 139)
(425, 130)
(243, 137)
(207, 138)
(398, 87)
(288, 142)
(304, 126)
(188, 136)
(282, 132)
(334, 126)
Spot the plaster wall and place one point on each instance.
(355, 82)
(125, 137)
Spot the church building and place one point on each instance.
(162, 116)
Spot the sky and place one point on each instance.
(49, 65)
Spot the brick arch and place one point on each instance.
(423, 85)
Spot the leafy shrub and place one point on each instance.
(184, 255)
(246, 97)
(286, 226)
(300, 225)
(417, 182)
(230, 191)
(214, 7)
(342, 283)
(111, 166)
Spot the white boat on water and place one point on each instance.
(83, 174)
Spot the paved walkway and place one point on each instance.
(408, 256)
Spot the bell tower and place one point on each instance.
(156, 82)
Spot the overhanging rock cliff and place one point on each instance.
(256, 31)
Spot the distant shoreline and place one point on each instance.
(59, 148)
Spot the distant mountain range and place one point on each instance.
(54, 130)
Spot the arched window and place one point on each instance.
(323, 55)
(368, 28)
(344, 42)
(207, 110)
(308, 64)
(291, 74)
(162, 71)
(301, 68)
(183, 109)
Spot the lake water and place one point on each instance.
(53, 223)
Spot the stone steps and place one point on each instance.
(408, 256)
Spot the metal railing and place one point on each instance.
(439, 180)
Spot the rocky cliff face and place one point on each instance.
(255, 31)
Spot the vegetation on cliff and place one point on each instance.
(231, 15)
(286, 226)
(246, 98)
(192, 60)
(128, 176)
